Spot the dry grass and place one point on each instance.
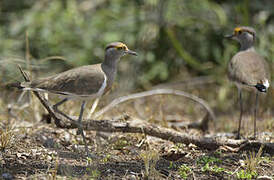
(6, 137)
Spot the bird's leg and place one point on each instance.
(94, 105)
(255, 113)
(80, 127)
(241, 113)
(55, 108)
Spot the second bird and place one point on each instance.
(247, 69)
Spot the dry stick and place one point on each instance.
(137, 126)
(155, 92)
(131, 126)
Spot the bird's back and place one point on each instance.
(81, 81)
(248, 68)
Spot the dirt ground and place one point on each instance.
(49, 153)
(38, 150)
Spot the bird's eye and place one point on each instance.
(120, 48)
(240, 32)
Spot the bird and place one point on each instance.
(83, 83)
(247, 69)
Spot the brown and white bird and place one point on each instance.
(247, 69)
(85, 82)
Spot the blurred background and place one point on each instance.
(180, 45)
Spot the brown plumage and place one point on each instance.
(248, 68)
(82, 81)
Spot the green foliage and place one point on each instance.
(120, 144)
(171, 165)
(167, 34)
(210, 164)
(208, 160)
(106, 158)
(184, 171)
(91, 172)
(214, 169)
(94, 174)
(179, 146)
(242, 174)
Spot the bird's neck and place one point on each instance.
(109, 66)
(110, 61)
(247, 46)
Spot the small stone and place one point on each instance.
(49, 143)
(193, 146)
(49, 158)
(131, 177)
(7, 176)
(18, 155)
(67, 137)
(34, 151)
(242, 163)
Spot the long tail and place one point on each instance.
(261, 87)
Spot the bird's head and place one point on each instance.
(244, 35)
(118, 49)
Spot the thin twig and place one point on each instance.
(119, 100)
(53, 57)
(25, 76)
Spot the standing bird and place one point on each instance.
(247, 69)
(85, 82)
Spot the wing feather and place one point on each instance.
(82, 81)
(248, 68)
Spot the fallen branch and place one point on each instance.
(140, 126)
(119, 100)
